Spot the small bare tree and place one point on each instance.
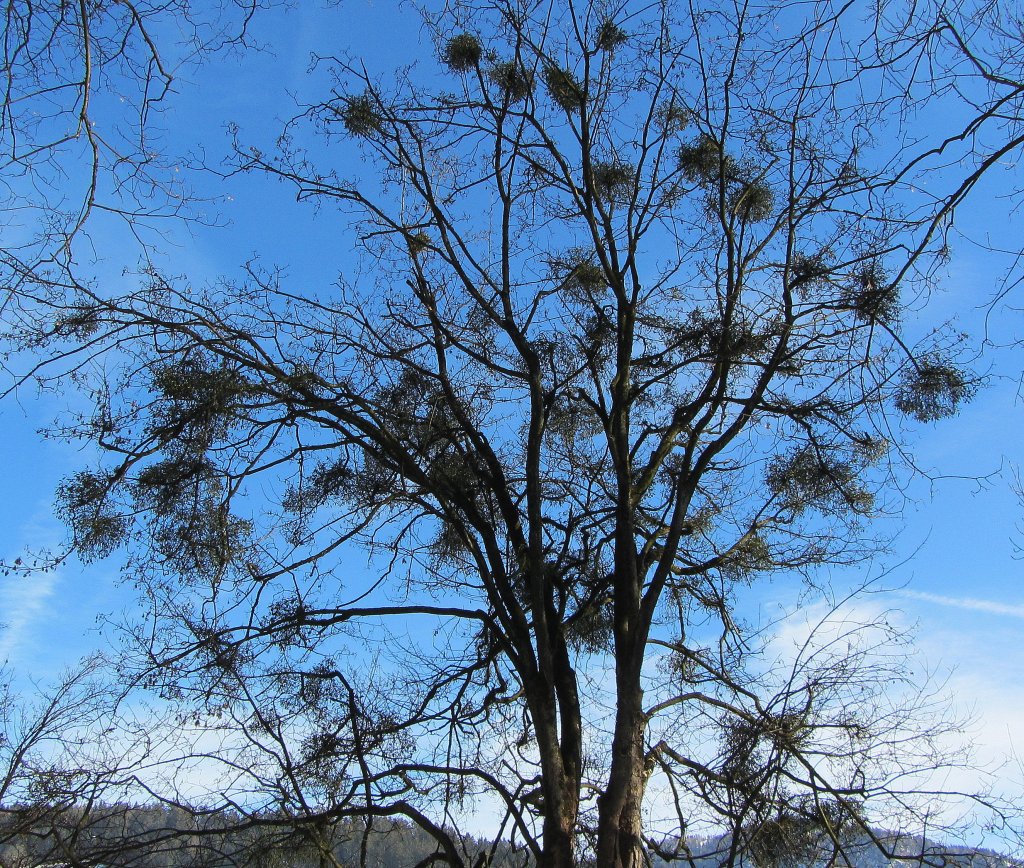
(57, 772)
(967, 61)
(83, 85)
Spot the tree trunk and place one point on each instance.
(559, 839)
(560, 772)
(619, 839)
(561, 806)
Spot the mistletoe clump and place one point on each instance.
(360, 116)
(462, 53)
(610, 36)
(934, 389)
(513, 80)
(564, 88)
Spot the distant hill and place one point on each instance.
(158, 837)
(883, 850)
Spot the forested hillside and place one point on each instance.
(156, 837)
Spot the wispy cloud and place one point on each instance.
(992, 607)
(23, 604)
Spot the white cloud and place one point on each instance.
(966, 664)
(30, 619)
(993, 607)
(24, 604)
(848, 627)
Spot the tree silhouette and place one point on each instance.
(84, 85)
(625, 338)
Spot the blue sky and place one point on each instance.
(952, 571)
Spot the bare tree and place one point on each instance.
(78, 766)
(965, 60)
(57, 769)
(626, 338)
(83, 86)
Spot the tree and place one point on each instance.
(968, 60)
(627, 339)
(58, 773)
(84, 84)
